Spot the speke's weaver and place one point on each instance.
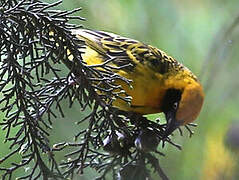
(160, 83)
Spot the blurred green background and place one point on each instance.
(201, 34)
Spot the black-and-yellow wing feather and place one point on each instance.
(127, 51)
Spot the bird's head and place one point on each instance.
(182, 106)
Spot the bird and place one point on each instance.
(159, 84)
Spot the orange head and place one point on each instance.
(190, 104)
(185, 107)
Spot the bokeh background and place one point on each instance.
(201, 34)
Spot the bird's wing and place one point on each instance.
(126, 51)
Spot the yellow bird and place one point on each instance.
(160, 83)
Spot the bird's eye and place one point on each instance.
(175, 105)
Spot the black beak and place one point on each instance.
(172, 124)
